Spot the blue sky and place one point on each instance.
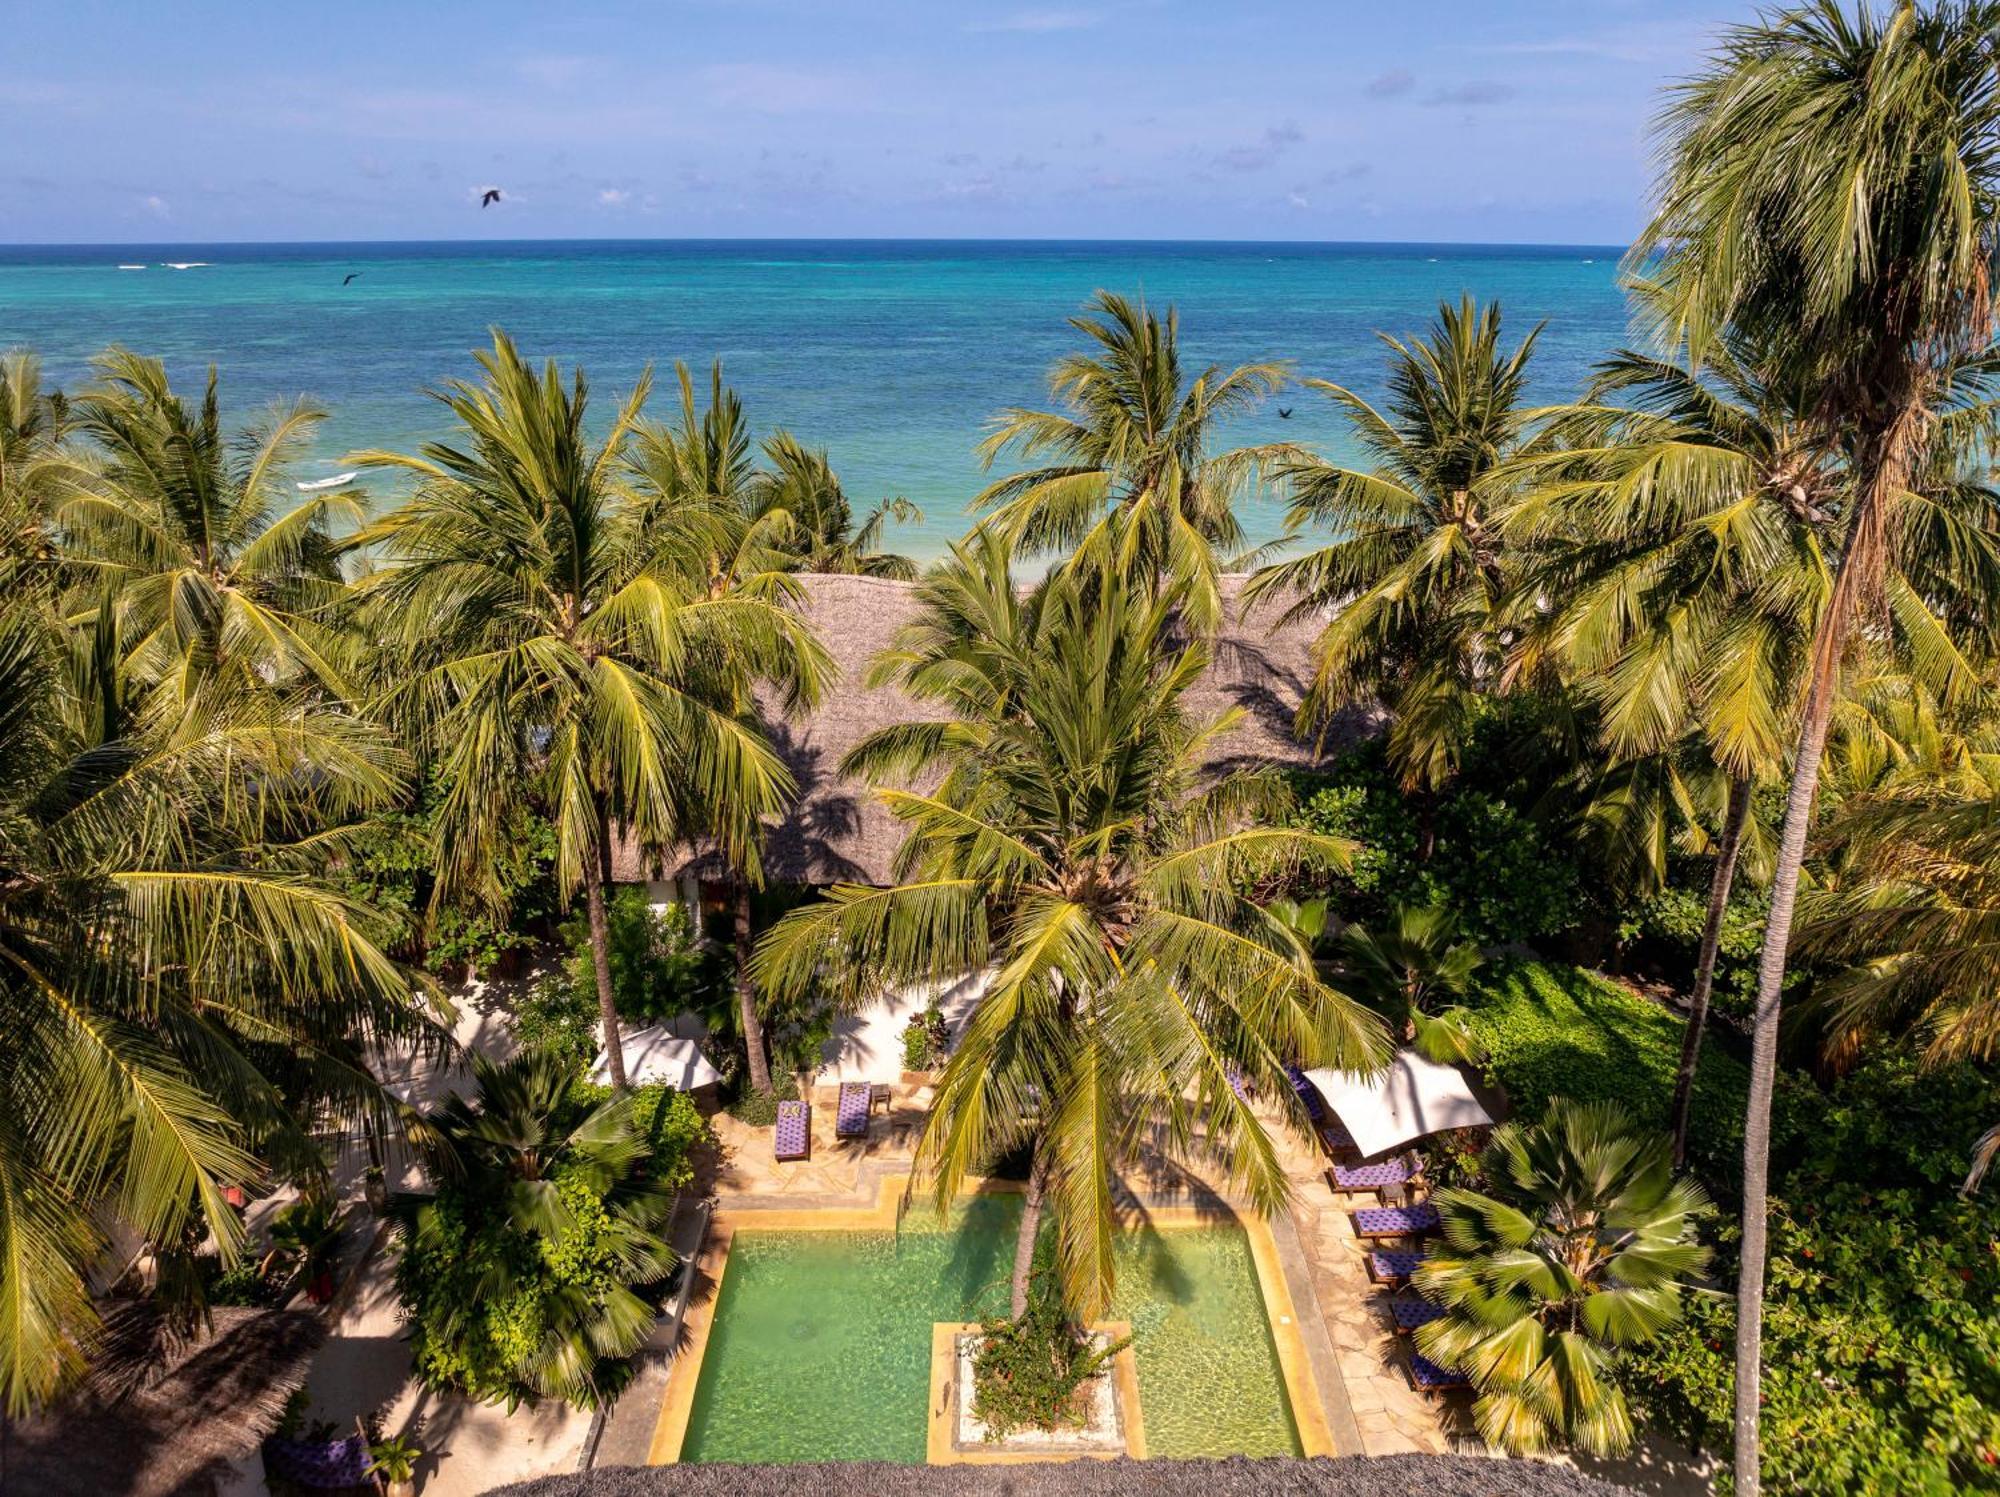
(1475, 120)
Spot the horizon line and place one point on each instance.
(911, 239)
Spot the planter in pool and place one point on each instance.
(958, 1438)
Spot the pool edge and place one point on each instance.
(1309, 1420)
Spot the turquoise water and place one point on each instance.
(821, 1344)
(891, 354)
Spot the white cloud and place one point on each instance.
(613, 197)
(1036, 20)
(156, 205)
(1297, 200)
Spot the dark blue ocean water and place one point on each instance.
(893, 354)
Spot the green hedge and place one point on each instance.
(1557, 1031)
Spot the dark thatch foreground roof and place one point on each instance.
(838, 832)
(160, 1416)
(1352, 1476)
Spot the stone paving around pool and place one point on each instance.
(1388, 1416)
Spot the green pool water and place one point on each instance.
(821, 1343)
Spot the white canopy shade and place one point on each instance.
(656, 1056)
(1413, 1098)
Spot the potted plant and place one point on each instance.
(395, 1461)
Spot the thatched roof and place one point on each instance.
(164, 1417)
(838, 832)
(1351, 1476)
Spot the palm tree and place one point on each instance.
(703, 503)
(1581, 1250)
(821, 535)
(1679, 568)
(182, 993)
(546, 651)
(1130, 454)
(1410, 972)
(529, 1147)
(1416, 569)
(1066, 843)
(215, 566)
(1827, 190)
(33, 423)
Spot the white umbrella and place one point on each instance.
(1414, 1097)
(657, 1056)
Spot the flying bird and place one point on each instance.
(349, 276)
(1284, 413)
(489, 197)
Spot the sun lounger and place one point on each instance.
(857, 1100)
(1334, 1135)
(1393, 1266)
(792, 1138)
(1427, 1377)
(1408, 1313)
(1308, 1093)
(1390, 1174)
(1237, 1084)
(1395, 1221)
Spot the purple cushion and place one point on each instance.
(1427, 1374)
(794, 1127)
(325, 1465)
(1393, 1264)
(1411, 1313)
(1375, 1176)
(1396, 1221)
(852, 1118)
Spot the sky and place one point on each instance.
(1503, 121)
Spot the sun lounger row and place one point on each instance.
(1372, 1223)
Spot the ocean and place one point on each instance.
(892, 354)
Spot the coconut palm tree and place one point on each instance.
(1130, 453)
(545, 649)
(1581, 1249)
(215, 564)
(183, 994)
(1827, 190)
(529, 1147)
(1064, 839)
(1410, 971)
(33, 422)
(1679, 534)
(799, 484)
(1416, 568)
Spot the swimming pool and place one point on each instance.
(819, 1344)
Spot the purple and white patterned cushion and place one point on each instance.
(793, 1131)
(1396, 1221)
(1430, 1377)
(1392, 1265)
(851, 1121)
(1411, 1313)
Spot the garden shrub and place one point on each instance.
(926, 1040)
(758, 1109)
(1881, 1338)
(1665, 931)
(1490, 863)
(1028, 1373)
(669, 1123)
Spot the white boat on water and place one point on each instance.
(338, 481)
(185, 264)
(131, 267)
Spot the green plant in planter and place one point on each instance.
(926, 1040)
(305, 1241)
(395, 1461)
(1029, 1373)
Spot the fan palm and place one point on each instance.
(799, 484)
(548, 651)
(1068, 843)
(1581, 1249)
(1417, 568)
(1678, 537)
(215, 566)
(1410, 971)
(181, 995)
(1828, 189)
(1130, 454)
(529, 1146)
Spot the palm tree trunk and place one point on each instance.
(600, 961)
(1704, 969)
(1027, 1232)
(746, 996)
(1884, 460)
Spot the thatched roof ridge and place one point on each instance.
(160, 1416)
(838, 832)
(1349, 1476)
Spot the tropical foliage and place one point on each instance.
(520, 1278)
(1579, 1250)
